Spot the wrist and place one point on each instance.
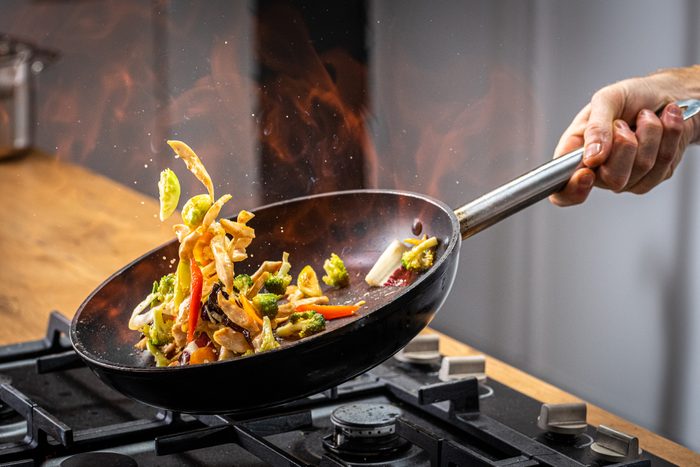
(674, 84)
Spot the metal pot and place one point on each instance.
(19, 62)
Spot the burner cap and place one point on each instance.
(103, 459)
(367, 430)
(366, 420)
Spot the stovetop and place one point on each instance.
(402, 413)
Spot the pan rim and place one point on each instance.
(94, 360)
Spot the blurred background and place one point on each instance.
(451, 99)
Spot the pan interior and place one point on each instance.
(357, 225)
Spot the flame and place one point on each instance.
(312, 127)
(113, 104)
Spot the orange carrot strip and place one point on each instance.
(330, 311)
(249, 310)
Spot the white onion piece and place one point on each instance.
(388, 262)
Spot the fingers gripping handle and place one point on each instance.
(530, 187)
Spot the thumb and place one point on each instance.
(606, 106)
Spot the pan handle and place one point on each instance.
(530, 187)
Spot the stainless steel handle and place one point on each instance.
(530, 187)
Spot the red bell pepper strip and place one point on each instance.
(330, 311)
(195, 298)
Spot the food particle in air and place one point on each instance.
(168, 193)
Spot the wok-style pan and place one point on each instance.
(357, 225)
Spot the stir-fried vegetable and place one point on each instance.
(168, 193)
(303, 324)
(195, 209)
(205, 312)
(336, 274)
(308, 282)
(195, 299)
(266, 304)
(331, 311)
(278, 285)
(400, 265)
(420, 257)
(242, 283)
(266, 340)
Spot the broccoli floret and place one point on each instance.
(336, 274)
(278, 285)
(302, 324)
(242, 283)
(161, 360)
(266, 304)
(161, 288)
(159, 331)
(267, 338)
(420, 257)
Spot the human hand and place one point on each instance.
(620, 158)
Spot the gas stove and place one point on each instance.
(416, 409)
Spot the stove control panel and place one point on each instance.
(423, 349)
(473, 366)
(563, 419)
(615, 446)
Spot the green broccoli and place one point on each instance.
(159, 331)
(278, 285)
(420, 257)
(266, 304)
(267, 338)
(302, 324)
(336, 274)
(242, 283)
(161, 359)
(161, 288)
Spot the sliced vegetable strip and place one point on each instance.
(330, 311)
(195, 298)
(193, 164)
(249, 310)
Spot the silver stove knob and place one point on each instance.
(453, 368)
(563, 419)
(423, 349)
(615, 446)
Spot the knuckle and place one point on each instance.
(615, 181)
(626, 143)
(595, 128)
(673, 129)
(652, 125)
(644, 164)
(666, 157)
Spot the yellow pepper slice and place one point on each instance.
(308, 282)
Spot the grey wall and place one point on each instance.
(598, 299)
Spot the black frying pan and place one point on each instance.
(357, 225)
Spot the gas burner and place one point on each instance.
(365, 431)
(103, 459)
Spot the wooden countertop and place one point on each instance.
(65, 229)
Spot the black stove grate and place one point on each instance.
(55, 411)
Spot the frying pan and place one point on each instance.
(357, 225)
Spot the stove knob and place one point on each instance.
(563, 419)
(615, 446)
(453, 368)
(423, 349)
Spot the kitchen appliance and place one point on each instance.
(418, 408)
(358, 224)
(19, 63)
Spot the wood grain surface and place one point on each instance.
(65, 229)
